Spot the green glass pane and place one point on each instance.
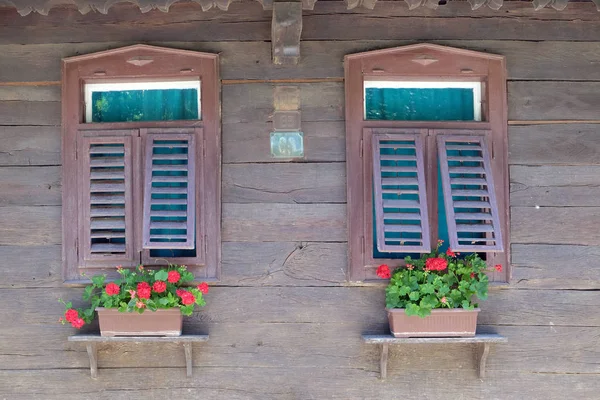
(413, 104)
(144, 105)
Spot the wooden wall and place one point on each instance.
(283, 322)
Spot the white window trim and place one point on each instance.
(90, 88)
(475, 86)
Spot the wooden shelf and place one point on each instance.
(482, 341)
(91, 342)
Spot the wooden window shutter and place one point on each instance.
(169, 191)
(106, 232)
(399, 193)
(469, 195)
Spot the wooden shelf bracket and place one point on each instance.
(482, 342)
(91, 343)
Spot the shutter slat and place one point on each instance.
(106, 198)
(174, 153)
(108, 248)
(168, 225)
(474, 228)
(401, 158)
(403, 228)
(107, 212)
(169, 190)
(107, 175)
(399, 181)
(107, 224)
(483, 232)
(107, 187)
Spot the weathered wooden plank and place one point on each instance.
(572, 144)
(30, 93)
(31, 266)
(328, 21)
(552, 185)
(553, 100)
(29, 145)
(284, 264)
(231, 382)
(555, 225)
(283, 183)
(249, 142)
(336, 346)
(267, 222)
(30, 113)
(551, 60)
(30, 186)
(328, 305)
(556, 266)
(254, 102)
(30, 225)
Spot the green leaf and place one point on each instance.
(163, 301)
(414, 296)
(98, 280)
(412, 309)
(161, 275)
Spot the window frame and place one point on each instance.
(143, 63)
(420, 62)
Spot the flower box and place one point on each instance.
(455, 322)
(162, 322)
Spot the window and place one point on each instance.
(141, 161)
(426, 134)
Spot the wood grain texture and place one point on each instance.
(274, 222)
(30, 186)
(554, 185)
(335, 346)
(283, 183)
(553, 100)
(29, 145)
(254, 102)
(329, 305)
(284, 264)
(389, 20)
(249, 142)
(544, 266)
(572, 144)
(229, 382)
(31, 266)
(549, 60)
(30, 225)
(555, 225)
(44, 113)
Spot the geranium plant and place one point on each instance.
(137, 290)
(436, 280)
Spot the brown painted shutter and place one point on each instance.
(400, 196)
(169, 191)
(106, 232)
(469, 196)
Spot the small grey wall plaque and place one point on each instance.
(287, 144)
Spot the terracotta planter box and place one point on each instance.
(441, 323)
(164, 322)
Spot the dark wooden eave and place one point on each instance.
(25, 7)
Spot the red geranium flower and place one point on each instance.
(436, 264)
(78, 323)
(112, 289)
(143, 290)
(383, 271)
(159, 286)
(140, 304)
(179, 292)
(187, 298)
(498, 267)
(71, 315)
(203, 287)
(173, 277)
(450, 253)
(472, 274)
(443, 300)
